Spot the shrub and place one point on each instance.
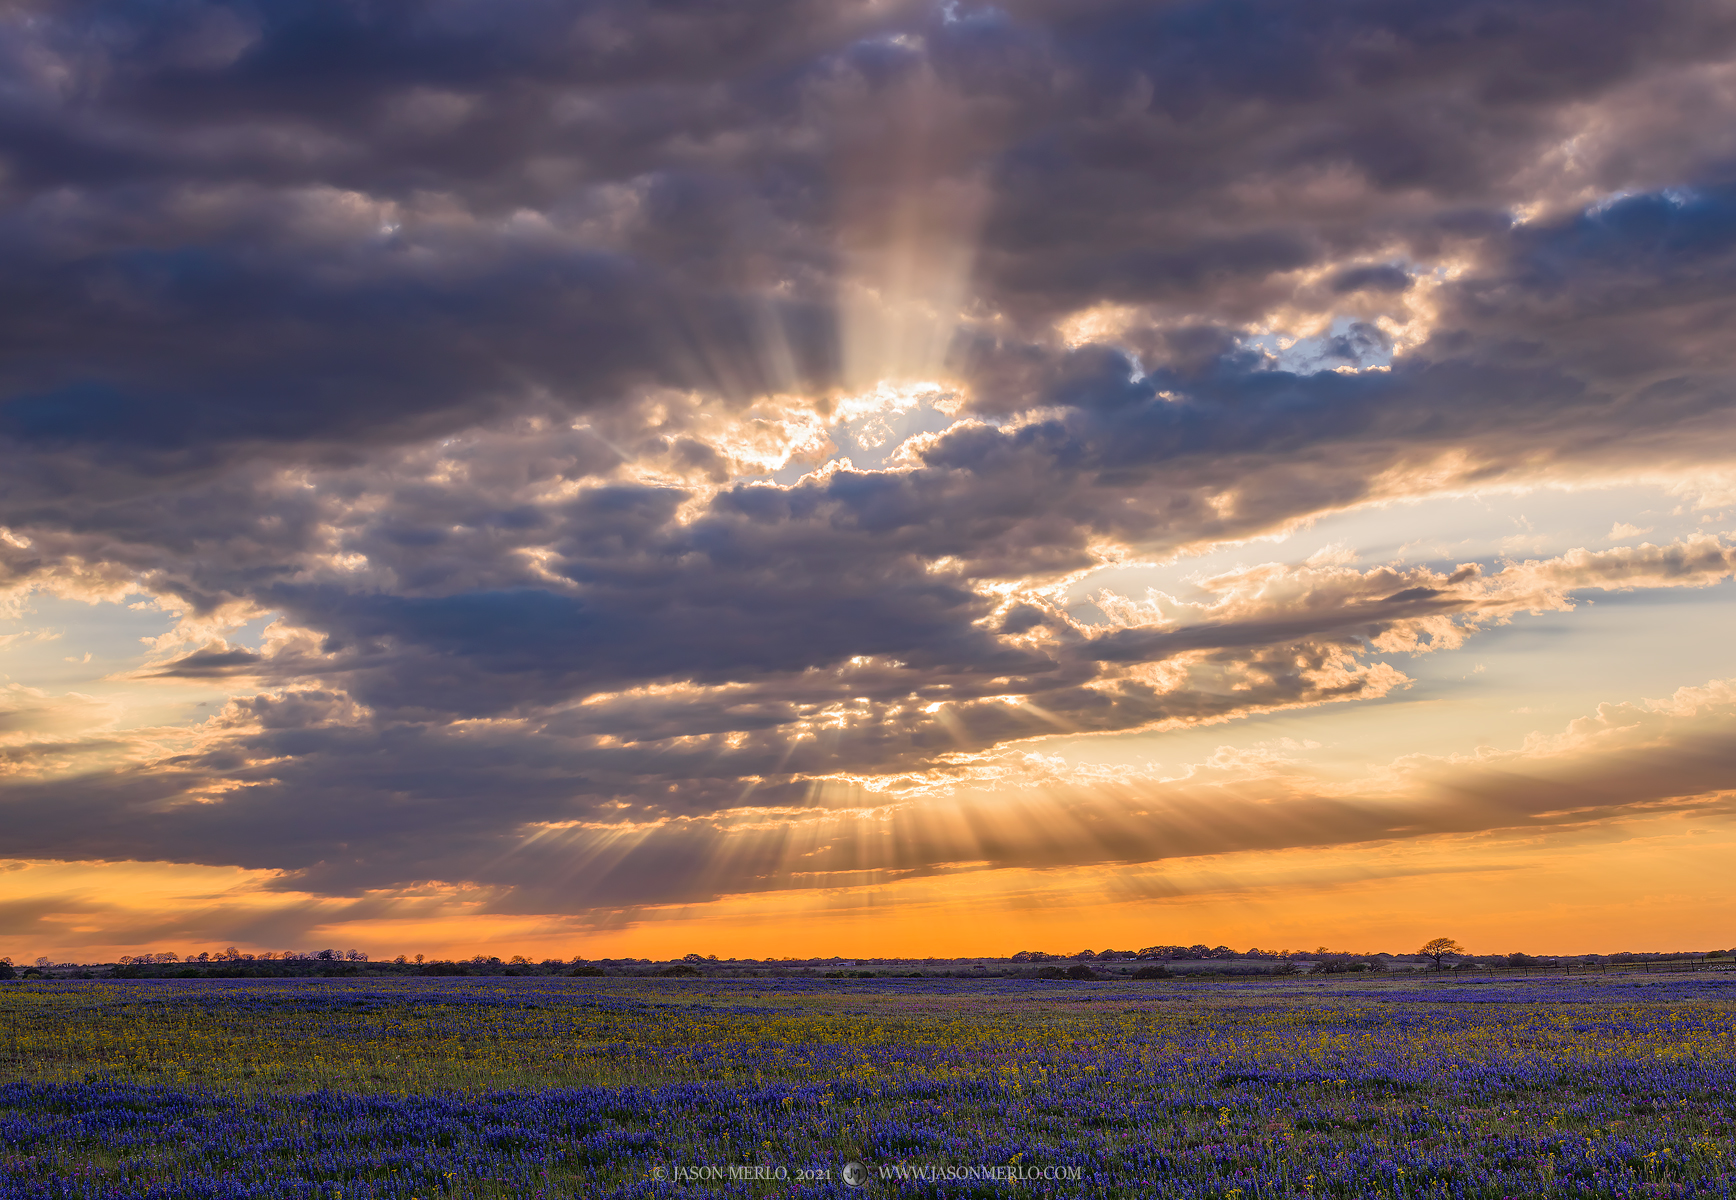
(1151, 973)
(586, 969)
(1080, 971)
(679, 969)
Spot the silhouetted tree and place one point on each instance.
(1439, 948)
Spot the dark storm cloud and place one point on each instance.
(295, 223)
(1178, 163)
(439, 330)
(201, 245)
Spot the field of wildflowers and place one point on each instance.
(535, 1087)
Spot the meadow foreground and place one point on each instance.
(1411, 1087)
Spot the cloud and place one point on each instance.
(504, 361)
(419, 795)
(538, 852)
(209, 662)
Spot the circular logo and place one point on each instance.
(855, 1174)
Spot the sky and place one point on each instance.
(861, 477)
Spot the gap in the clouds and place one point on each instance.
(1534, 674)
(71, 645)
(252, 634)
(1348, 342)
(1541, 671)
(868, 442)
(1440, 531)
(64, 631)
(871, 432)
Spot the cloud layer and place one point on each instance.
(643, 424)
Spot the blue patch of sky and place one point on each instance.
(1347, 342)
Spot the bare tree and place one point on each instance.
(1439, 948)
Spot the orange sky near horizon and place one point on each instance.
(1656, 887)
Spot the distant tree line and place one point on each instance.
(1149, 962)
(232, 955)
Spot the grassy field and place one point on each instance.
(583, 1087)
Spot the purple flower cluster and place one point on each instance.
(1228, 1092)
